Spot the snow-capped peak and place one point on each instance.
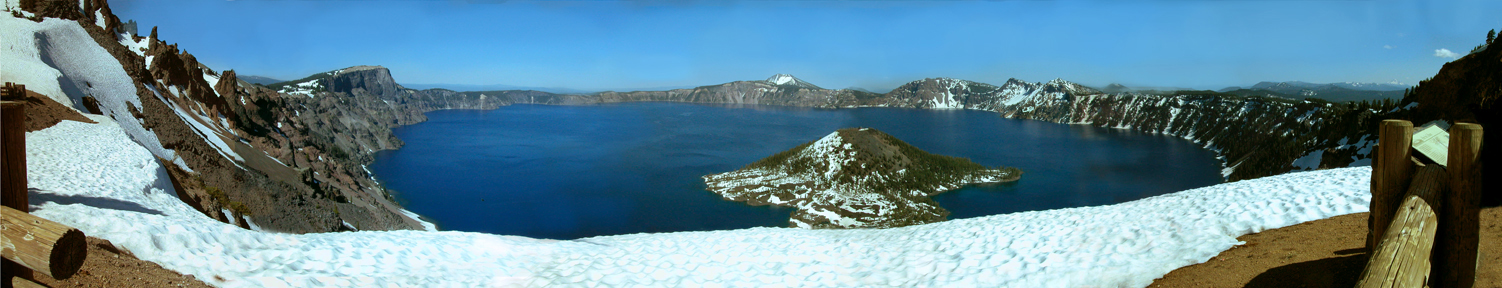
(1065, 86)
(786, 79)
(782, 79)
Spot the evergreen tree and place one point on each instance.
(1491, 35)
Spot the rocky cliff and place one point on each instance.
(239, 153)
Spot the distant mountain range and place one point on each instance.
(1347, 85)
(1333, 92)
(495, 87)
(1118, 88)
(260, 80)
(558, 90)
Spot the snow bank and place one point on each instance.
(20, 54)
(66, 64)
(91, 176)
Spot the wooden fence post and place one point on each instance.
(1391, 173)
(12, 165)
(1401, 258)
(1460, 219)
(13, 144)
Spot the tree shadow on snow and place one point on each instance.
(39, 196)
(1340, 271)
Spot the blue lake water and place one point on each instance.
(566, 172)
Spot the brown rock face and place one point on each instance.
(285, 206)
(178, 68)
(43, 112)
(111, 23)
(227, 86)
(65, 9)
(375, 80)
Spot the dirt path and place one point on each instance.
(1323, 253)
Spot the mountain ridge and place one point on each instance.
(1335, 92)
(260, 80)
(1185, 114)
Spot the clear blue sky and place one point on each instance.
(875, 45)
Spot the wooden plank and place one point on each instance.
(1460, 219)
(1390, 177)
(12, 165)
(1402, 256)
(40, 244)
(13, 144)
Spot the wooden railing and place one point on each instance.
(41, 245)
(28, 243)
(1424, 224)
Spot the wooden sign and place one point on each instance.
(1433, 142)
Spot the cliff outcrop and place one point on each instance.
(208, 131)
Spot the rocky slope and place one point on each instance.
(855, 178)
(238, 153)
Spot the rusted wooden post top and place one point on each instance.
(12, 91)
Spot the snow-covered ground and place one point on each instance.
(57, 58)
(309, 88)
(93, 177)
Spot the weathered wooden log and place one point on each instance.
(1391, 172)
(18, 282)
(1402, 256)
(41, 245)
(1460, 219)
